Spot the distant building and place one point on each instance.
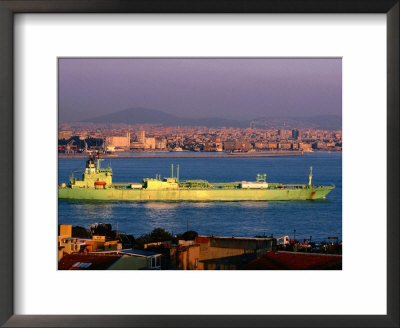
(160, 143)
(260, 145)
(229, 146)
(65, 134)
(141, 137)
(303, 146)
(243, 145)
(272, 145)
(285, 146)
(150, 143)
(284, 134)
(137, 145)
(218, 146)
(118, 142)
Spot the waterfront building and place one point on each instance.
(150, 143)
(303, 146)
(195, 139)
(141, 137)
(229, 146)
(119, 141)
(285, 146)
(260, 145)
(160, 143)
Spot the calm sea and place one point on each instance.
(319, 219)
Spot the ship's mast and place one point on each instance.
(261, 177)
(310, 177)
(177, 172)
(98, 162)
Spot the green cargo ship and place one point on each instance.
(96, 184)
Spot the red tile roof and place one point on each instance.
(202, 240)
(295, 261)
(79, 261)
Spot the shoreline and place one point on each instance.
(241, 155)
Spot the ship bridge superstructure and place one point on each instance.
(94, 176)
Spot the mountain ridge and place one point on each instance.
(142, 115)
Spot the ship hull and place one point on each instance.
(200, 195)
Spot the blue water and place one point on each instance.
(319, 219)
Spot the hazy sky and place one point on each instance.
(227, 88)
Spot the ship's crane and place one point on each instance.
(69, 144)
(86, 146)
(105, 144)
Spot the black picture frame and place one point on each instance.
(10, 7)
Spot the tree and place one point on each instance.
(159, 234)
(190, 235)
(155, 236)
(80, 232)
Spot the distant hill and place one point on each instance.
(140, 115)
(136, 115)
(324, 122)
(214, 122)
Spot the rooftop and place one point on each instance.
(134, 252)
(295, 261)
(91, 261)
(235, 237)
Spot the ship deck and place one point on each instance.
(226, 185)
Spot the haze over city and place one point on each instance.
(238, 89)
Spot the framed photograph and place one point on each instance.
(169, 156)
(210, 206)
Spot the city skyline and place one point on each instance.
(199, 88)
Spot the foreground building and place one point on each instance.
(111, 260)
(230, 253)
(295, 261)
(218, 253)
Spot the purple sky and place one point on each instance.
(227, 88)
